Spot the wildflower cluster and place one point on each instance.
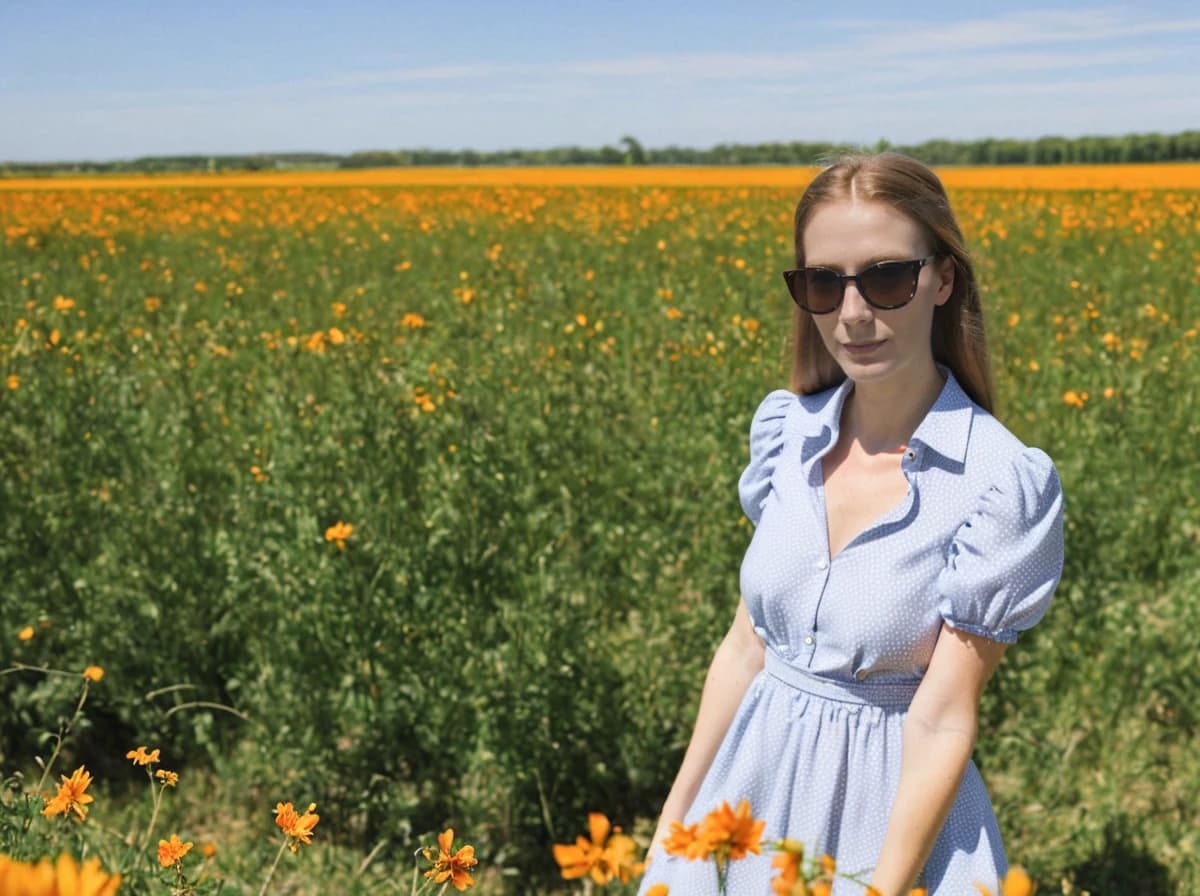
(604, 854)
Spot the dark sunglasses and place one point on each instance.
(886, 286)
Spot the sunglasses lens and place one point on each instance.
(889, 285)
(822, 290)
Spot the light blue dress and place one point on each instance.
(815, 745)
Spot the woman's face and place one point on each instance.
(849, 236)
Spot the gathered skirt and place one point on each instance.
(819, 761)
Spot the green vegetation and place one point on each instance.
(1050, 150)
(531, 406)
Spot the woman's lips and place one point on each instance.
(861, 348)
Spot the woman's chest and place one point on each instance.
(844, 580)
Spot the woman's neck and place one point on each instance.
(882, 416)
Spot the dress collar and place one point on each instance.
(946, 428)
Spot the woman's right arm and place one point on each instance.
(738, 659)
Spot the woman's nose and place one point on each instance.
(854, 307)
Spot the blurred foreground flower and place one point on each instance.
(603, 857)
(72, 796)
(297, 827)
(723, 835)
(795, 879)
(63, 878)
(451, 866)
(1016, 883)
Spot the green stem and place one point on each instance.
(274, 865)
(62, 735)
(154, 813)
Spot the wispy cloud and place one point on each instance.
(1032, 71)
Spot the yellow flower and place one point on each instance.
(412, 321)
(93, 673)
(336, 336)
(658, 890)
(338, 533)
(208, 850)
(172, 851)
(450, 865)
(603, 857)
(13, 382)
(71, 796)
(297, 827)
(62, 303)
(169, 779)
(141, 757)
(25, 634)
(1075, 399)
(152, 303)
(1016, 883)
(64, 878)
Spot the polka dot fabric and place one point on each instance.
(815, 745)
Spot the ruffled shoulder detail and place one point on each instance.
(766, 444)
(1006, 558)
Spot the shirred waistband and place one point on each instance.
(886, 694)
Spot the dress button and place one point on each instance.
(822, 564)
(808, 639)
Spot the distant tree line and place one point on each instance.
(1153, 147)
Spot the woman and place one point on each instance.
(903, 538)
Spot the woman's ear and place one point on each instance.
(945, 285)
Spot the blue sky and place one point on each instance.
(105, 80)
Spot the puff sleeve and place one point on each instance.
(766, 444)
(1006, 558)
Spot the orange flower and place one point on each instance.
(788, 859)
(450, 865)
(412, 320)
(64, 878)
(730, 834)
(141, 757)
(338, 533)
(682, 841)
(25, 634)
(1075, 399)
(13, 382)
(169, 779)
(603, 857)
(1016, 883)
(297, 827)
(208, 850)
(658, 890)
(93, 673)
(71, 796)
(172, 851)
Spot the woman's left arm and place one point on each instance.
(939, 734)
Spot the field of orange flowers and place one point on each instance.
(414, 494)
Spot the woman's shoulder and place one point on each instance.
(992, 443)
